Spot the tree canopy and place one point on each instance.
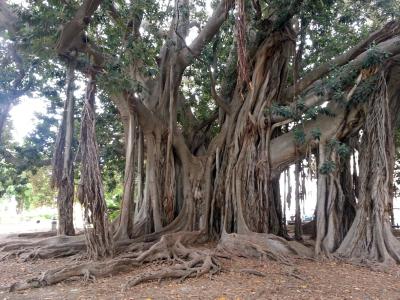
(184, 115)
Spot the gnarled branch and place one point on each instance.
(388, 31)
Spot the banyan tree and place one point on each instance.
(215, 108)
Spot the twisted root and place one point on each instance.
(169, 247)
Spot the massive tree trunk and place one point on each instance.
(246, 189)
(63, 171)
(370, 237)
(230, 190)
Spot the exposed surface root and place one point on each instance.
(53, 247)
(261, 245)
(175, 247)
(33, 235)
(191, 263)
(86, 271)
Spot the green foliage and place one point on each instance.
(338, 80)
(332, 27)
(332, 144)
(280, 110)
(335, 26)
(109, 133)
(299, 136)
(342, 150)
(38, 192)
(375, 56)
(316, 133)
(300, 112)
(300, 105)
(364, 90)
(313, 112)
(327, 167)
(113, 209)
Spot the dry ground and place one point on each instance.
(305, 280)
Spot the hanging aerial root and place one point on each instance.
(261, 245)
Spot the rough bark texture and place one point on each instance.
(127, 206)
(298, 197)
(247, 189)
(63, 170)
(370, 237)
(227, 186)
(336, 204)
(91, 195)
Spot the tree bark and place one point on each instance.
(298, 234)
(63, 170)
(90, 192)
(128, 204)
(370, 237)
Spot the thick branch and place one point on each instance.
(71, 34)
(146, 118)
(218, 99)
(284, 150)
(391, 46)
(390, 30)
(209, 31)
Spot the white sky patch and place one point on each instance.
(23, 116)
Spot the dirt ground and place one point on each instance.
(304, 280)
